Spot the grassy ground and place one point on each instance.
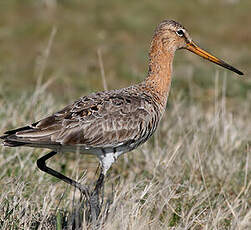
(193, 174)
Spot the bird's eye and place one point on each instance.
(180, 32)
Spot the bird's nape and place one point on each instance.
(191, 46)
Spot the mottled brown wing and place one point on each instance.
(108, 120)
(101, 119)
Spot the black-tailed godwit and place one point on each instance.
(110, 123)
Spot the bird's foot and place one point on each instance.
(93, 199)
(84, 190)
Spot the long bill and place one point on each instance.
(191, 46)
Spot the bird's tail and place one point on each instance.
(10, 139)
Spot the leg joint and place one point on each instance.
(41, 163)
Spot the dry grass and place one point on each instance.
(194, 174)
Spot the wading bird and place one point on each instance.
(110, 123)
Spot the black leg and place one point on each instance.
(99, 183)
(41, 164)
(95, 204)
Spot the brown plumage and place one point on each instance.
(110, 123)
(110, 119)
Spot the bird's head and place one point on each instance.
(173, 36)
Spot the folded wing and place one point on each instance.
(99, 120)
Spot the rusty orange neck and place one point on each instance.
(159, 76)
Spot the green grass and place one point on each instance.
(122, 30)
(193, 174)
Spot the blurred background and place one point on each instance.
(194, 173)
(59, 40)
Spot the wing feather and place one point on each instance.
(103, 119)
